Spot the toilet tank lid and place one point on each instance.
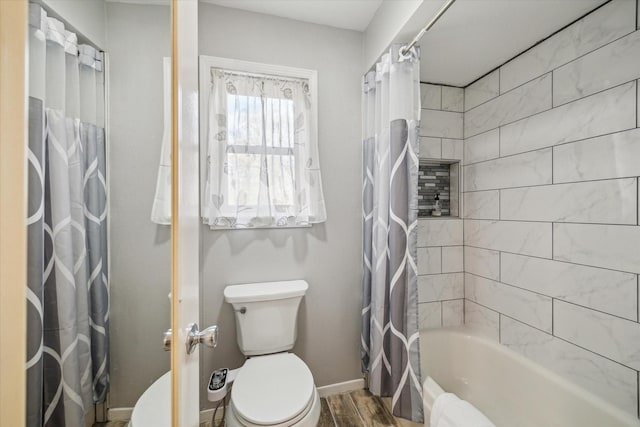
(252, 292)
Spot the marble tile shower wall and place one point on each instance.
(440, 250)
(550, 204)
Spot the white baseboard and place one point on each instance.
(119, 414)
(124, 414)
(207, 414)
(343, 387)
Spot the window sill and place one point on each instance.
(268, 227)
(428, 218)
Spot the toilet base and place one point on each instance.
(309, 420)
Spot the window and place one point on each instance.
(262, 166)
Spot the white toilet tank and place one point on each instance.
(266, 315)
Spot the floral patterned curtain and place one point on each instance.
(262, 164)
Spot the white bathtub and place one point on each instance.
(508, 388)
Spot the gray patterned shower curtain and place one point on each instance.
(68, 294)
(390, 339)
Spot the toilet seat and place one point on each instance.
(272, 390)
(292, 422)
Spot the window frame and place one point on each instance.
(206, 63)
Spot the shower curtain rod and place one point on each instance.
(418, 36)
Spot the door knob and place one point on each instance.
(166, 340)
(208, 337)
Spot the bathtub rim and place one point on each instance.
(469, 334)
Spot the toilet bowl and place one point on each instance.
(153, 408)
(274, 387)
(274, 390)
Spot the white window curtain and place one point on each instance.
(262, 165)
(161, 208)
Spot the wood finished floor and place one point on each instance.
(358, 408)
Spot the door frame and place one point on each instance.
(13, 211)
(185, 212)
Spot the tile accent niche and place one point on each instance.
(438, 178)
(440, 250)
(550, 204)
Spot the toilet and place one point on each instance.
(274, 387)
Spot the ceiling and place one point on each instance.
(472, 38)
(475, 36)
(347, 14)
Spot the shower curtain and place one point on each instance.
(390, 348)
(68, 294)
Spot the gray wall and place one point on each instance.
(328, 256)
(138, 37)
